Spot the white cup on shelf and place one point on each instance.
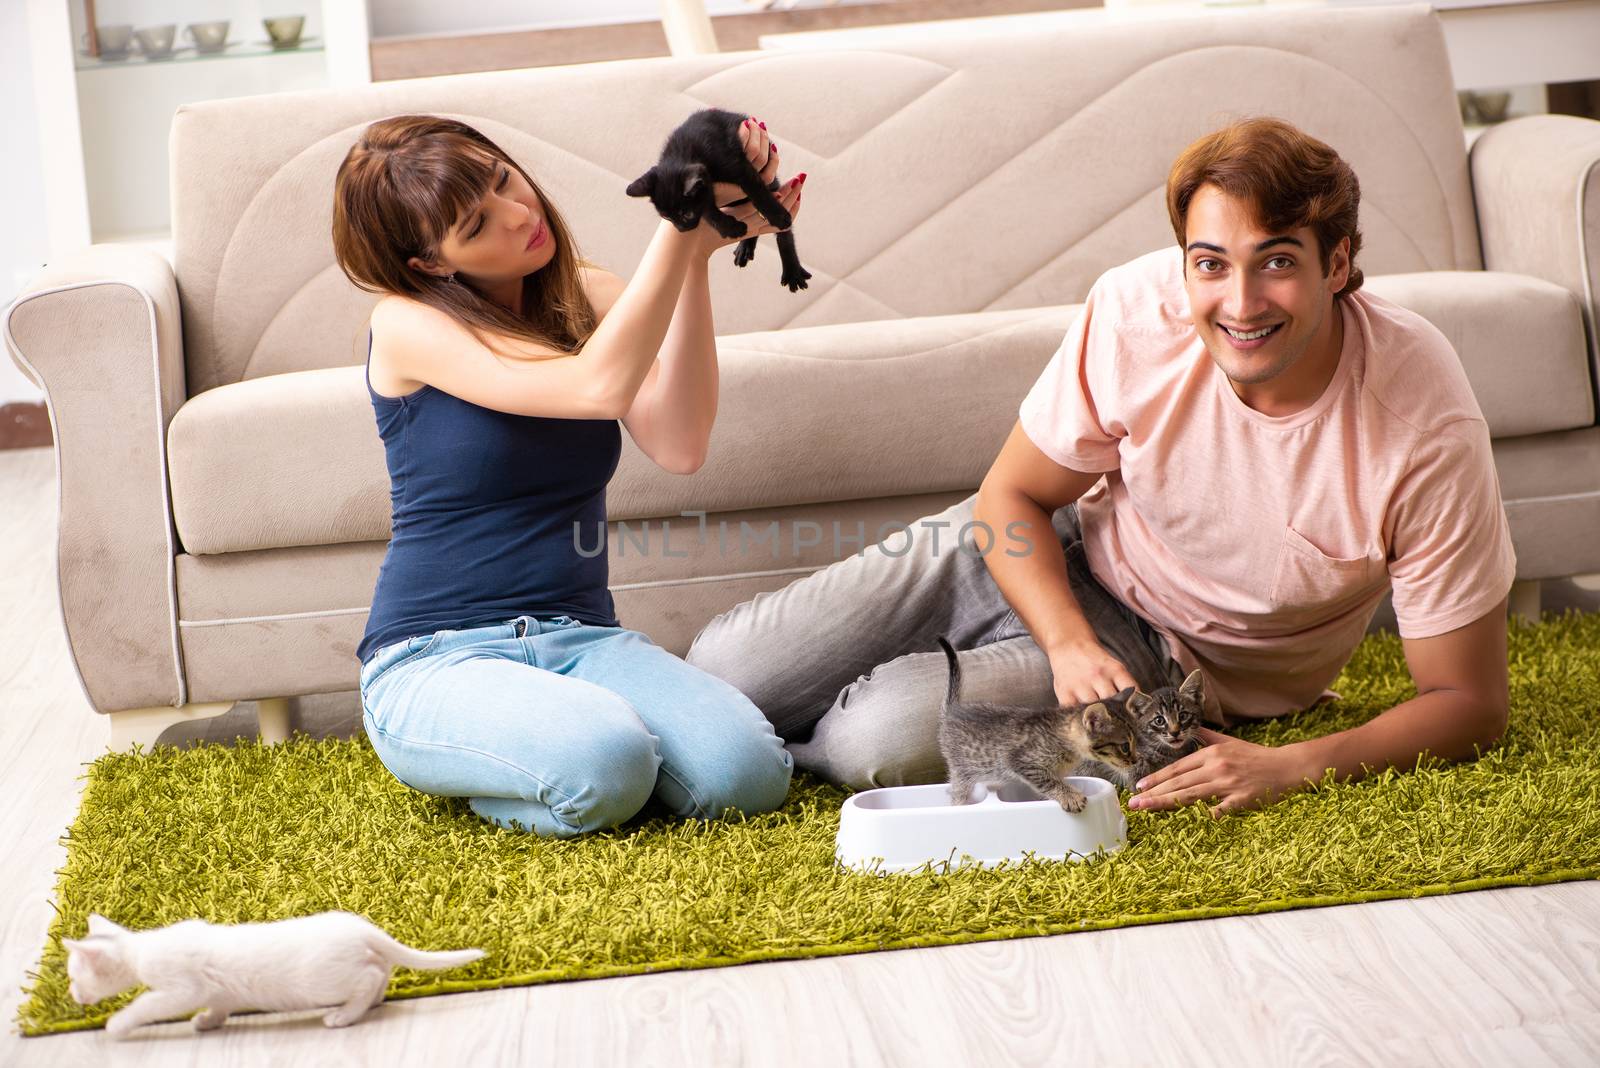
(208, 36)
(155, 42)
(113, 40)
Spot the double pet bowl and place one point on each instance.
(907, 828)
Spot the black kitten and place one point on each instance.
(703, 150)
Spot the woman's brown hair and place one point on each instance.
(1290, 178)
(400, 189)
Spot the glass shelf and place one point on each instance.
(189, 54)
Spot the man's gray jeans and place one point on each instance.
(844, 662)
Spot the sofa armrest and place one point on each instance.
(1536, 183)
(100, 332)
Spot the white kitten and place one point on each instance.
(308, 962)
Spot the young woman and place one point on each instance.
(499, 363)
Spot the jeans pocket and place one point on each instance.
(1010, 626)
(393, 655)
(423, 644)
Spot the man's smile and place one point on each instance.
(1250, 339)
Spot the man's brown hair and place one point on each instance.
(1290, 178)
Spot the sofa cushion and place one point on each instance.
(824, 413)
(811, 414)
(1520, 339)
(310, 604)
(1552, 501)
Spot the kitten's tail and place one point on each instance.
(952, 694)
(397, 952)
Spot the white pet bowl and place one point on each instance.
(906, 827)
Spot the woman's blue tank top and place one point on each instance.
(489, 511)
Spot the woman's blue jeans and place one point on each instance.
(566, 728)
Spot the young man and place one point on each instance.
(1231, 458)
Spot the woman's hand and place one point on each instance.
(759, 149)
(1230, 771)
(763, 156)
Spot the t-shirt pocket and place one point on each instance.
(1311, 584)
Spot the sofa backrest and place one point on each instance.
(946, 176)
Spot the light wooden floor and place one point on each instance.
(1496, 977)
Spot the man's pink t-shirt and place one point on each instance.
(1260, 546)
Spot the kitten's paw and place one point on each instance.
(961, 791)
(796, 279)
(344, 1016)
(1072, 800)
(209, 1020)
(743, 253)
(780, 218)
(120, 1025)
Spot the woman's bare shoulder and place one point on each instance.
(387, 316)
(392, 306)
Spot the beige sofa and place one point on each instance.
(223, 497)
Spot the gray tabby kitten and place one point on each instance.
(985, 741)
(1168, 721)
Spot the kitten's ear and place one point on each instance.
(1095, 714)
(1192, 686)
(91, 951)
(694, 176)
(98, 924)
(1138, 701)
(643, 185)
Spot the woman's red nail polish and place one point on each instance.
(763, 126)
(802, 178)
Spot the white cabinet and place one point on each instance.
(104, 123)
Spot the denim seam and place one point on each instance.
(699, 804)
(992, 636)
(566, 798)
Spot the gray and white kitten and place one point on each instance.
(984, 741)
(330, 959)
(1168, 721)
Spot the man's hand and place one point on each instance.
(1086, 672)
(1235, 773)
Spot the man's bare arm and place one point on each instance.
(1025, 487)
(1462, 705)
(1460, 708)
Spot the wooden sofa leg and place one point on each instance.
(144, 725)
(1524, 602)
(273, 719)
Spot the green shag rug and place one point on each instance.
(253, 832)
